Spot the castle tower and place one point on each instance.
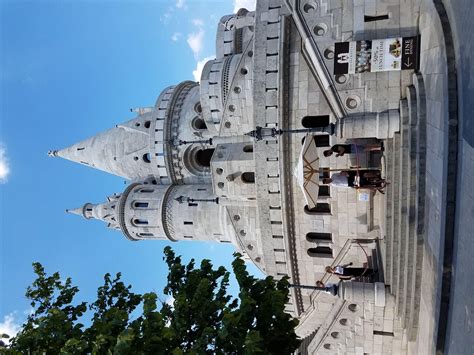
(166, 212)
(150, 144)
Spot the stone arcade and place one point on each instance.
(188, 158)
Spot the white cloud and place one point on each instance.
(166, 17)
(198, 22)
(9, 326)
(199, 67)
(176, 36)
(4, 165)
(247, 4)
(181, 4)
(195, 41)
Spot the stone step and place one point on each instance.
(409, 225)
(387, 255)
(419, 224)
(405, 166)
(402, 261)
(394, 206)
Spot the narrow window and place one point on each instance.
(145, 234)
(324, 191)
(138, 204)
(140, 222)
(387, 334)
(188, 223)
(322, 140)
(320, 208)
(320, 252)
(323, 173)
(248, 177)
(188, 236)
(248, 148)
(319, 237)
(82, 148)
(315, 121)
(147, 158)
(147, 124)
(146, 191)
(368, 18)
(192, 204)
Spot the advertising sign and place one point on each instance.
(400, 53)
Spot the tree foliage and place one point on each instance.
(201, 319)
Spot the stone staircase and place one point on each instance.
(405, 161)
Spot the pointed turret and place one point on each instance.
(78, 211)
(125, 150)
(106, 212)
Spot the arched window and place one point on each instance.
(248, 148)
(320, 252)
(315, 121)
(139, 204)
(319, 237)
(320, 208)
(139, 222)
(147, 158)
(248, 177)
(203, 157)
(199, 124)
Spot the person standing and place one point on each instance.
(344, 272)
(342, 179)
(341, 149)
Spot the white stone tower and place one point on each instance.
(195, 174)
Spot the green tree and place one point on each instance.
(202, 318)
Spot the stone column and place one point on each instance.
(358, 292)
(380, 125)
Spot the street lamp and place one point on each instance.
(182, 199)
(260, 133)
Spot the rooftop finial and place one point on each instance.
(78, 211)
(141, 110)
(53, 153)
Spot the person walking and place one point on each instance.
(344, 272)
(329, 288)
(341, 149)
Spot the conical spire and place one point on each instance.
(106, 212)
(79, 211)
(124, 150)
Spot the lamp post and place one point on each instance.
(182, 199)
(260, 133)
(330, 289)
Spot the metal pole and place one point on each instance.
(308, 287)
(330, 289)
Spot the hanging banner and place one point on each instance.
(401, 53)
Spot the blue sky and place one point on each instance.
(68, 70)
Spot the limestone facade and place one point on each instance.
(188, 159)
